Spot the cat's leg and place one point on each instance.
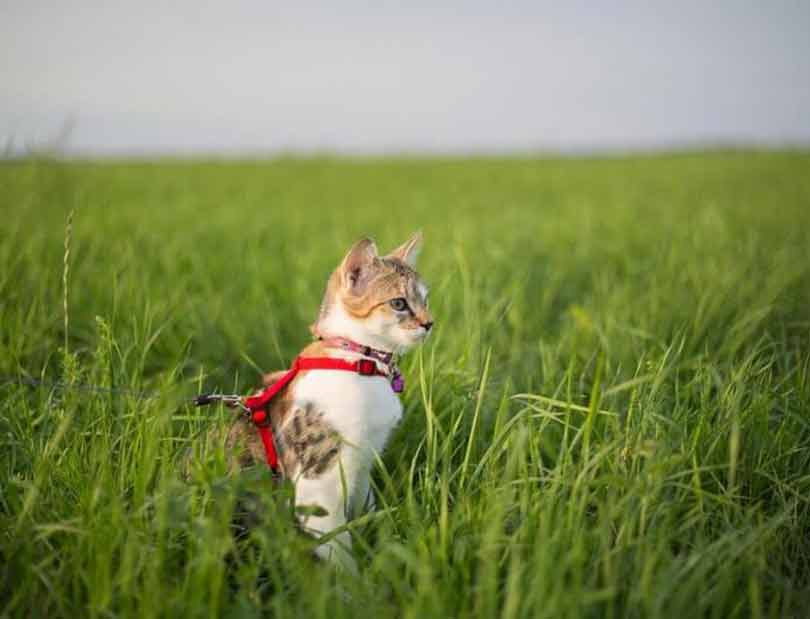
(364, 500)
(321, 507)
(325, 471)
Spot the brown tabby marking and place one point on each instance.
(310, 444)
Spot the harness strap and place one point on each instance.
(257, 405)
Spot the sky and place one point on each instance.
(190, 77)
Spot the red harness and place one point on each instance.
(257, 405)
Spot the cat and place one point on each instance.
(329, 424)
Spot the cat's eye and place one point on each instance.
(399, 304)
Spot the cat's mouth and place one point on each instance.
(420, 334)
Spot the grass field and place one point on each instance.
(611, 419)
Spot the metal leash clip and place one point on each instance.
(231, 401)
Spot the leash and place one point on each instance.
(36, 382)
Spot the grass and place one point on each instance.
(611, 419)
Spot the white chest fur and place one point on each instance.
(363, 409)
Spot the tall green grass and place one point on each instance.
(612, 417)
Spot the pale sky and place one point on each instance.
(185, 77)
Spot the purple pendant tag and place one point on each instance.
(397, 383)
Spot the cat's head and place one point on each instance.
(378, 301)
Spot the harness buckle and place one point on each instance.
(366, 367)
(260, 418)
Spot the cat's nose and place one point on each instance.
(427, 325)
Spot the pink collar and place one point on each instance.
(384, 357)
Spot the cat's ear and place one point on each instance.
(408, 252)
(358, 264)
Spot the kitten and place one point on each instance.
(329, 424)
